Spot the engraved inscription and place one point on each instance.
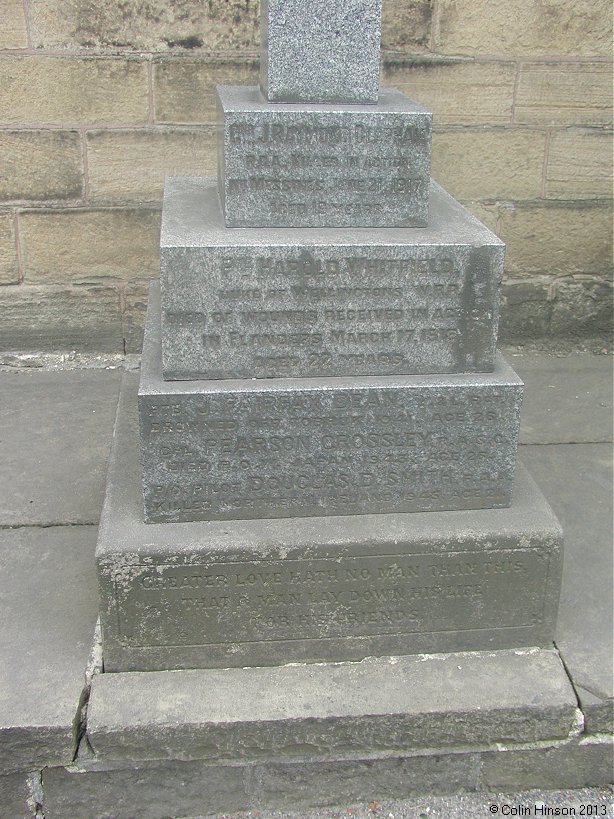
(325, 168)
(311, 313)
(259, 453)
(325, 598)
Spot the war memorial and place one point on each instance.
(328, 435)
(323, 575)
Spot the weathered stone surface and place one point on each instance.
(133, 315)
(184, 89)
(285, 165)
(580, 165)
(587, 761)
(406, 25)
(578, 482)
(567, 399)
(564, 94)
(155, 791)
(41, 90)
(55, 318)
(162, 626)
(323, 52)
(153, 25)
(381, 706)
(40, 165)
(576, 27)
(13, 33)
(84, 245)
(557, 239)
(306, 302)
(458, 93)
(292, 786)
(494, 163)
(45, 416)
(45, 638)
(16, 798)
(598, 711)
(9, 268)
(569, 308)
(292, 447)
(129, 166)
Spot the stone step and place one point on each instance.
(296, 447)
(252, 592)
(291, 165)
(372, 709)
(308, 302)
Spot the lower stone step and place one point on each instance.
(387, 706)
(265, 592)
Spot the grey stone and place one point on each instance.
(568, 398)
(291, 786)
(170, 789)
(46, 416)
(286, 165)
(378, 707)
(577, 480)
(580, 763)
(258, 592)
(290, 447)
(243, 303)
(49, 602)
(320, 52)
(17, 799)
(598, 712)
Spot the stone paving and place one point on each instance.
(56, 429)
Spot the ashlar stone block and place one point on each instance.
(287, 165)
(287, 447)
(320, 51)
(268, 592)
(264, 303)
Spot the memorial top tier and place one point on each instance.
(320, 51)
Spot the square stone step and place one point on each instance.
(291, 165)
(290, 447)
(390, 706)
(263, 303)
(259, 592)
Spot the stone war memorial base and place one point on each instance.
(191, 743)
(247, 592)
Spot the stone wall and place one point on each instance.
(99, 101)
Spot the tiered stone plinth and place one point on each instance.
(328, 436)
(268, 592)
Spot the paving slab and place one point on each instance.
(577, 480)
(568, 399)
(17, 799)
(457, 806)
(55, 440)
(332, 710)
(48, 605)
(588, 761)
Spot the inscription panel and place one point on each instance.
(274, 448)
(225, 602)
(284, 166)
(275, 311)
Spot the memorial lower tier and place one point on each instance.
(290, 447)
(269, 592)
(263, 303)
